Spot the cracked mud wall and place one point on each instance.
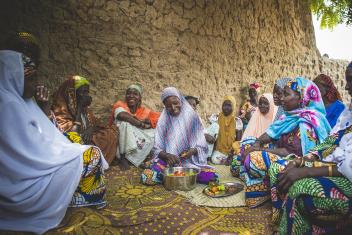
(206, 48)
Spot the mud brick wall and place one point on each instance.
(206, 48)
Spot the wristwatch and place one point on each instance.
(308, 163)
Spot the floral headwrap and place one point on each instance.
(309, 92)
(310, 118)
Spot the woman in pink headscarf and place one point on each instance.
(262, 117)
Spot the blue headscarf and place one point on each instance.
(312, 112)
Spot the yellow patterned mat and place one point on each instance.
(137, 209)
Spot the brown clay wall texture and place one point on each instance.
(206, 48)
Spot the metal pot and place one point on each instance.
(184, 183)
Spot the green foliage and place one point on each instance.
(332, 12)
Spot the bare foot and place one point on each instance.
(124, 165)
(145, 165)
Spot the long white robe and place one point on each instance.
(39, 168)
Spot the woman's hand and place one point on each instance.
(42, 98)
(146, 126)
(256, 144)
(289, 177)
(248, 151)
(42, 94)
(143, 124)
(146, 121)
(290, 165)
(210, 139)
(29, 71)
(311, 157)
(171, 159)
(88, 133)
(229, 158)
(76, 128)
(248, 115)
(189, 153)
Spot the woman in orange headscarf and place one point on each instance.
(72, 114)
(136, 125)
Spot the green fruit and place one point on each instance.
(221, 187)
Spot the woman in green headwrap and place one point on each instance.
(70, 112)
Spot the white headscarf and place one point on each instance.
(177, 134)
(39, 168)
(342, 155)
(344, 120)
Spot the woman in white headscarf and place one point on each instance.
(179, 140)
(41, 171)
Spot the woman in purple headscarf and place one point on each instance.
(179, 140)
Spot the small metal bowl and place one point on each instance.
(184, 183)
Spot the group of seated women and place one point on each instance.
(299, 161)
(292, 147)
